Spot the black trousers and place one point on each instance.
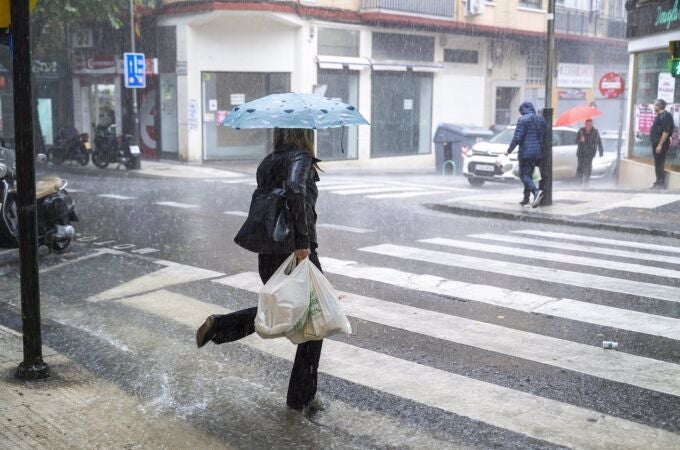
(239, 324)
(584, 167)
(659, 162)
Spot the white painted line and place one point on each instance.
(578, 247)
(375, 190)
(176, 205)
(407, 194)
(236, 213)
(330, 187)
(555, 257)
(74, 191)
(534, 416)
(344, 228)
(635, 370)
(616, 242)
(237, 181)
(116, 196)
(173, 274)
(608, 316)
(586, 280)
(72, 261)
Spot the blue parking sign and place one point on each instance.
(135, 70)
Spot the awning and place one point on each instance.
(342, 62)
(399, 66)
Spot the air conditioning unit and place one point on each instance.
(474, 7)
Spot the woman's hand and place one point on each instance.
(302, 253)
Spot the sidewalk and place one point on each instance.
(76, 409)
(644, 212)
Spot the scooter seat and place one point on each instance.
(48, 186)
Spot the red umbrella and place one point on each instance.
(577, 114)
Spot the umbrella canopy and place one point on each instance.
(577, 114)
(293, 110)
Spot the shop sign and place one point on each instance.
(666, 89)
(571, 94)
(611, 85)
(575, 75)
(220, 116)
(45, 69)
(237, 99)
(667, 17)
(181, 68)
(644, 117)
(653, 17)
(96, 65)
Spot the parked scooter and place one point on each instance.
(109, 148)
(70, 145)
(55, 208)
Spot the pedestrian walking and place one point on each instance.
(293, 165)
(589, 142)
(529, 136)
(660, 135)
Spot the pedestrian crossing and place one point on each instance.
(439, 279)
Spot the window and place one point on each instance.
(535, 66)
(461, 56)
(335, 42)
(534, 4)
(338, 143)
(403, 47)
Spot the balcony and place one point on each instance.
(438, 8)
(588, 24)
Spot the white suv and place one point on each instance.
(479, 162)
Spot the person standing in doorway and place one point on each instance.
(529, 135)
(589, 142)
(660, 135)
(292, 164)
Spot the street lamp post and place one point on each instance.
(135, 114)
(546, 161)
(33, 367)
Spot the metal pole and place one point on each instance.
(135, 116)
(619, 140)
(546, 160)
(32, 366)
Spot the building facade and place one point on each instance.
(407, 66)
(651, 26)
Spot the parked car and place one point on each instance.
(479, 162)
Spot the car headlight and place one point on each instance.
(3, 170)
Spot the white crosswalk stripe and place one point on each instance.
(116, 196)
(176, 205)
(555, 257)
(614, 242)
(578, 248)
(585, 280)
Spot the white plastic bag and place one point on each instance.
(324, 316)
(536, 176)
(284, 299)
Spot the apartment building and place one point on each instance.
(406, 65)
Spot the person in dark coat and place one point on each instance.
(660, 135)
(292, 164)
(529, 135)
(589, 142)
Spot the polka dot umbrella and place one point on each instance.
(292, 110)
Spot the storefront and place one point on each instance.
(651, 25)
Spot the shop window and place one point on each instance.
(403, 47)
(337, 42)
(401, 113)
(338, 143)
(535, 65)
(652, 81)
(461, 56)
(221, 92)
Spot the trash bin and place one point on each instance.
(450, 139)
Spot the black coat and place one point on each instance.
(294, 170)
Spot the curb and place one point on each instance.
(544, 218)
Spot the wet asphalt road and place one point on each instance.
(237, 391)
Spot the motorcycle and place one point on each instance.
(70, 145)
(55, 207)
(109, 148)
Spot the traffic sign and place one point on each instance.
(135, 70)
(611, 85)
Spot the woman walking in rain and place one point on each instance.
(292, 165)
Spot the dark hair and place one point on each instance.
(661, 102)
(589, 120)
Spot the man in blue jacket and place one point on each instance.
(529, 135)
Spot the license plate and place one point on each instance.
(134, 149)
(88, 146)
(485, 167)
